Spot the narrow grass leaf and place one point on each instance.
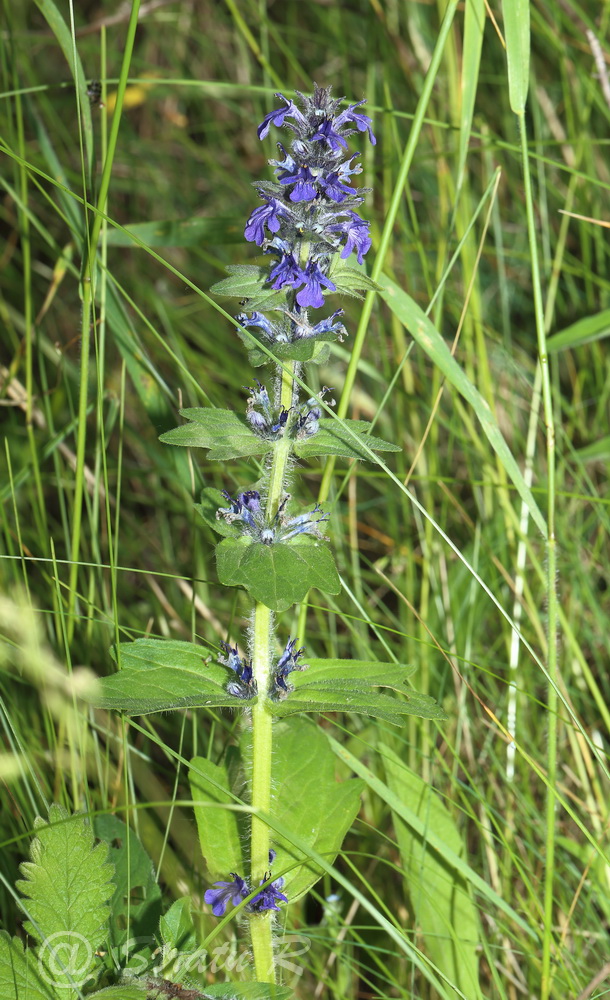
(443, 909)
(66, 43)
(474, 27)
(516, 15)
(428, 338)
(584, 331)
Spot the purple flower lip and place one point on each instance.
(223, 893)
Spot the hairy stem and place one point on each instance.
(260, 923)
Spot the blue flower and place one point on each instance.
(302, 524)
(362, 122)
(257, 320)
(266, 215)
(356, 232)
(268, 898)
(327, 133)
(285, 272)
(311, 296)
(243, 507)
(226, 892)
(304, 187)
(277, 117)
(245, 686)
(334, 187)
(287, 662)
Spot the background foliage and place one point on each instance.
(202, 74)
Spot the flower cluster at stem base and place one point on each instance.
(234, 892)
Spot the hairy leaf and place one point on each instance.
(278, 575)
(444, 910)
(227, 434)
(218, 828)
(248, 282)
(135, 885)
(22, 977)
(351, 278)
(351, 686)
(347, 438)
(313, 349)
(68, 886)
(307, 799)
(161, 674)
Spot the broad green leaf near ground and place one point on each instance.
(306, 798)
(68, 887)
(220, 835)
(445, 914)
(21, 977)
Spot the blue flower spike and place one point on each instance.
(308, 215)
(245, 686)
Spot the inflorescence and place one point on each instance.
(247, 508)
(308, 215)
(245, 686)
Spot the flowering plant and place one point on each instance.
(308, 227)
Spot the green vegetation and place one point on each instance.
(478, 864)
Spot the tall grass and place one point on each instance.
(105, 334)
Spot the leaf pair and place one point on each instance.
(157, 675)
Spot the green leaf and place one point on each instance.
(449, 856)
(280, 574)
(136, 890)
(474, 27)
(312, 349)
(584, 331)
(129, 991)
(306, 798)
(428, 337)
(350, 279)
(247, 281)
(178, 232)
(68, 46)
(218, 828)
(67, 885)
(444, 910)
(354, 696)
(516, 15)
(176, 927)
(211, 501)
(227, 434)
(342, 437)
(161, 674)
(21, 975)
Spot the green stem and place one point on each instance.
(88, 298)
(262, 736)
(260, 924)
(552, 610)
